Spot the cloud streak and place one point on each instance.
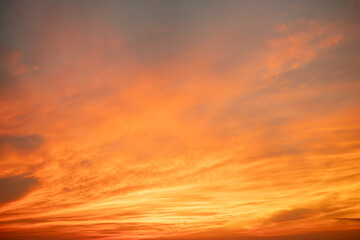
(189, 120)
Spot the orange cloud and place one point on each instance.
(301, 46)
(205, 132)
(11, 61)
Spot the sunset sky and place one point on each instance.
(177, 119)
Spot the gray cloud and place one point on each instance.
(20, 144)
(291, 215)
(349, 219)
(15, 187)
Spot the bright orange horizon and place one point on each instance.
(216, 120)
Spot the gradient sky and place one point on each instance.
(216, 120)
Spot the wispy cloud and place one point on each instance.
(219, 120)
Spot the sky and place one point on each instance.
(170, 120)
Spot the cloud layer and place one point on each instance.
(179, 120)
